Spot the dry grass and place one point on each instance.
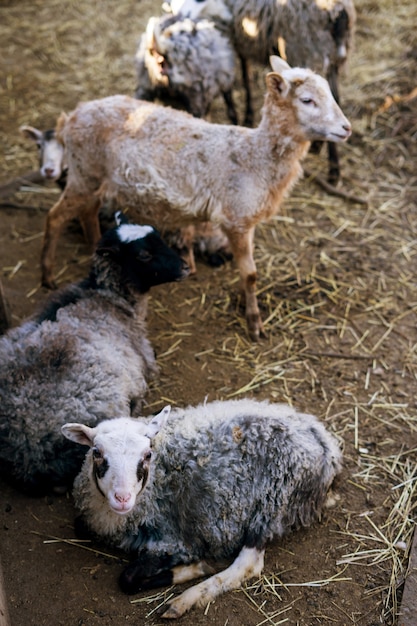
(337, 287)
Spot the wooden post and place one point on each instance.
(4, 613)
(408, 611)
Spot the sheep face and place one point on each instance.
(51, 151)
(317, 113)
(120, 456)
(143, 258)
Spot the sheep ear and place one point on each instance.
(31, 133)
(277, 84)
(158, 422)
(79, 433)
(120, 218)
(278, 64)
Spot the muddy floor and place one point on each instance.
(338, 296)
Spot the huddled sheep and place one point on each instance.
(84, 356)
(186, 62)
(213, 482)
(307, 33)
(174, 169)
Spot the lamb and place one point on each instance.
(186, 62)
(175, 169)
(307, 33)
(52, 165)
(208, 241)
(212, 483)
(85, 355)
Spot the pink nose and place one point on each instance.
(122, 497)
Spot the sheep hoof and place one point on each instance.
(256, 331)
(172, 612)
(49, 283)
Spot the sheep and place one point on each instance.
(209, 242)
(175, 169)
(189, 62)
(308, 33)
(212, 483)
(85, 355)
(52, 165)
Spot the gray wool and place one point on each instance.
(201, 63)
(224, 474)
(88, 364)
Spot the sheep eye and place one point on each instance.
(148, 456)
(144, 256)
(97, 455)
(307, 100)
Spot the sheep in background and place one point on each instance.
(186, 62)
(316, 34)
(84, 356)
(218, 482)
(174, 169)
(52, 165)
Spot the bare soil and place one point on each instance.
(338, 294)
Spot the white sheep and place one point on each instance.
(188, 62)
(84, 356)
(174, 169)
(216, 481)
(317, 34)
(52, 165)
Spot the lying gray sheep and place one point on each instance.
(174, 169)
(187, 63)
(218, 482)
(308, 33)
(84, 356)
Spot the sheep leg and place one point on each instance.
(90, 225)
(248, 121)
(230, 106)
(242, 249)
(67, 208)
(138, 576)
(248, 564)
(334, 167)
(332, 152)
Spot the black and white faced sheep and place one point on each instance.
(174, 169)
(213, 482)
(84, 356)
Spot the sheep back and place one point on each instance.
(87, 363)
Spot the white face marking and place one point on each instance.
(131, 232)
(52, 155)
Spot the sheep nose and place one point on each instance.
(122, 497)
(49, 172)
(185, 269)
(348, 129)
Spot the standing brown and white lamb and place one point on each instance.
(174, 169)
(308, 33)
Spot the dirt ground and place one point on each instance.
(338, 296)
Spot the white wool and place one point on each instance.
(132, 232)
